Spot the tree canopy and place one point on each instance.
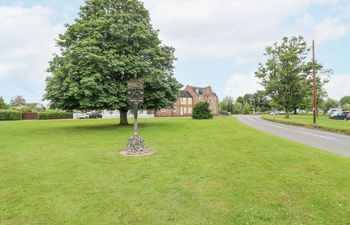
(287, 74)
(110, 43)
(345, 100)
(2, 103)
(18, 101)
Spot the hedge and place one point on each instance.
(10, 115)
(51, 115)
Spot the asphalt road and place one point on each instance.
(332, 142)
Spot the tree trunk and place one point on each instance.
(287, 113)
(123, 117)
(295, 111)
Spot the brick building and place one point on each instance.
(189, 97)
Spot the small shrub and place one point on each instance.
(55, 114)
(201, 111)
(10, 115)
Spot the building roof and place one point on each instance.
(198, 90)
(185, 94)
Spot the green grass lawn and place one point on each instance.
(323, 122)
(204, 172)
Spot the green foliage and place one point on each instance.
(110, 43)
(247, 108)
(18, 101)
(330, 103)
(10, 115)
(23, 109)
(237, 108)
(287, 74)
(54, 114)
(346, 107)
(2, 103)
(240, 100)
(202, 111)
(345, 100)
(226, 104)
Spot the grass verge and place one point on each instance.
(323, 122)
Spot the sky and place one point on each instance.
(219, 43)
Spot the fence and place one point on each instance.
(30, 116)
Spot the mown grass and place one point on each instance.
(204, 172)
(322, 123)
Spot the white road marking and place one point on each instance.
(316, 135)
(280, 127)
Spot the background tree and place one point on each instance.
(2, 103)
(226, 104)
(110, 43)
(240, 100)
(18, 101)
(346, 107)
(246, 109)
(237, 108)
(286, 73)
(345, 100)
(330, 103)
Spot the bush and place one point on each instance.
(55, 114)
(346, 107)
(201, 111)
(10, 115)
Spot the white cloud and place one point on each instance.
(238, 30)
(26, 42)
(240, 84)
(339, 86)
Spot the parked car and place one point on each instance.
(335, 113)
(341, 116)
(94, 115)
(333, 110)
(348, 117)
(83, 116)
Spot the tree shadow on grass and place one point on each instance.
(110, 126)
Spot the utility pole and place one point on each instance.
(314, 82)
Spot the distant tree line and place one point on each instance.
(18, 103)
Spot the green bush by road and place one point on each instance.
(323, 122)
(204, 172)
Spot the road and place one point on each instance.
(332, 142)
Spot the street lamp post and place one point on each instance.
(135, 144)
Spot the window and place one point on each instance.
(189, 110)
(185, 110)
(163, 110)
(183, 101)
(189, 101)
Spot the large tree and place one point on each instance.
(110, 43)
(18, 101)
(286, 75)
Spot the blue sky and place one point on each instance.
(218, 42)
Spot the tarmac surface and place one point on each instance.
(328, 141)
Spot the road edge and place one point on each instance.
(310, 126)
